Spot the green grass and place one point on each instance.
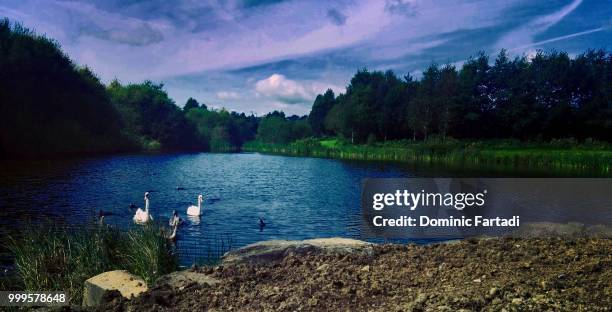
(329, 143)
(559, 156)
(51, 258)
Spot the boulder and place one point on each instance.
(183, 279)
(272, 251)
(108, 285)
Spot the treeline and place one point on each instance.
(49, 106)
(275, 127)
(546, 97)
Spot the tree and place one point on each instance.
(191, 103)
(151, 117)
(320, 109)
(49, 106)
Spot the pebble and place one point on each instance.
(493, 291)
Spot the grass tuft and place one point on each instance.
(51, 258)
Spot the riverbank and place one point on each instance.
(515, 274)
(565, 157)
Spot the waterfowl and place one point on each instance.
(132, 206)
(180, 188)
(102, 214)
(172, 236)
(143, 216)
(196, 210)
(262, 224)
(101, 217)
(175, 220)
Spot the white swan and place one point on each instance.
(196, 210)
(143, 216)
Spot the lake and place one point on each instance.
(298, 197)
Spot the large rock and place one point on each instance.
(106, 286)
(183, 279)
(272, 251)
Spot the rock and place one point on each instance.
(183, 279)
(104, 287)
(493, 292)
(477, 280)
(323, 267)
(517, 301)
(272, 251)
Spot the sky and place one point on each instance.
(258, 56)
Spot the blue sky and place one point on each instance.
(259, 56)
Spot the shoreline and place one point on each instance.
(474, 274)
(465, 155)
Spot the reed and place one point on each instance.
(50, 258)
(562, 156)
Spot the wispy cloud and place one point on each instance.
(555, 39)
(228, 95)
(336, 17)
(524, 35)
(224, 51)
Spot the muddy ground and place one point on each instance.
(474, 275)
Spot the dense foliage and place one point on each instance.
(150, 118)
(548, 96)
(48, 105)
(220, 130)
(276, 128)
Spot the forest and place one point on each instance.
(50, 106)
(549, 96)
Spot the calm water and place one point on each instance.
(298, 198)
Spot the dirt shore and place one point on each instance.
(490, 275)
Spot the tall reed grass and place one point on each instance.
(58, 258)
(563, 156)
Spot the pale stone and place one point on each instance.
(271, 251)
(101, 285)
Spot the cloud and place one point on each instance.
(218, 50)
(336, 17)
(559, 38)
(228, 95)
(523, 36)
(284, 90)
(405, 7)
(140, 35)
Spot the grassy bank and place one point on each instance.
(561, 155)
(51, 258)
